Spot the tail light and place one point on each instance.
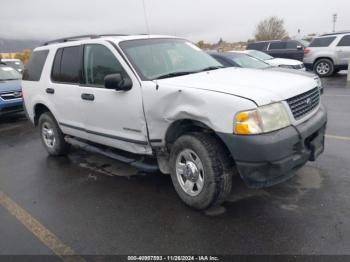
(306, 51)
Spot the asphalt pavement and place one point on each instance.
(89, 205)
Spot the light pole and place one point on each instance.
(335, 17)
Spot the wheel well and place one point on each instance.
(323, 58)
(185, 126)
(39, 109)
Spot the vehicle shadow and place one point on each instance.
(10, 119)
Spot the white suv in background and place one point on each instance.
(162, 98)
(328, 54)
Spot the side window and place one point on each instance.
(292, 45)
(70, 65)
(277, 45)
(257, 46)
(35, 66)
(345, 41)
(66, 66)
(322, 41)
(56, 67)
(99, 62)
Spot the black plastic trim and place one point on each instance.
(106, 135)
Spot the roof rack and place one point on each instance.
(79, 37)
(337, 33)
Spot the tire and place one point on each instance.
(324, 67)
(211, 176)
(52, 136)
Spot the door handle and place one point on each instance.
(89, 97)
(50, 90)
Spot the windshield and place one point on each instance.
(8, 73)
(304, 42)
(259, 55)
(161, 58)
(14, 64)
(247, 61)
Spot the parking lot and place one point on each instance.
(89, 205)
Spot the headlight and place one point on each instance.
(286, 66)
(319, 84)
(261, 120)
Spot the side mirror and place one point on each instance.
(117, 82)
(299, 47)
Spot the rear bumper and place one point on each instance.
(268, 159)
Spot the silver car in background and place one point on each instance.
(328, 54)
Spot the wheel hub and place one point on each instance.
(191, 171)
(48, 135)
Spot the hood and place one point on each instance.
(282, 61)
(293, 71)
(10, 85)
(261, 86)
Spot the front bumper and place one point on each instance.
(268, 159)
(9, 107)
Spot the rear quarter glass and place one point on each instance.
(322, 42)
(35, 65)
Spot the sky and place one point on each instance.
(207, 20)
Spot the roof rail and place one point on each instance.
(72, 38)
(337, 33)
(79, 37)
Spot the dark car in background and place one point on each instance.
(11, 100)
(292, 49)
(243, 60)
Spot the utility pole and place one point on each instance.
(335, 17)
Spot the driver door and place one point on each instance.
(112, 118)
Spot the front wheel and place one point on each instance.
(324, 67)
(201, 170)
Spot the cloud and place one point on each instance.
(194, 19)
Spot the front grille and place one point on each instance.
(304, 103)
(11, 95)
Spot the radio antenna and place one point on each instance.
(145, 15)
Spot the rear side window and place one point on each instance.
(345, 41)
(322, 42)
(66, 67)
(277, 45)
(257, 46)
(56, 68)
(35, 65)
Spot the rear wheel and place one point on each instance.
(52, 136)
(324, 67)
(201, 170)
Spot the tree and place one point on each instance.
(271, 29)
(200, 44)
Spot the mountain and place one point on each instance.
(17, 45)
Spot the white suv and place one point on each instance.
(163, 98)
(328, 54)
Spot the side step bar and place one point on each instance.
(148, 168)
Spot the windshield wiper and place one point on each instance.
(168, 75)
(209, 68)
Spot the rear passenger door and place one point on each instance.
(113, 118)
(64, 92)
(343, 50)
